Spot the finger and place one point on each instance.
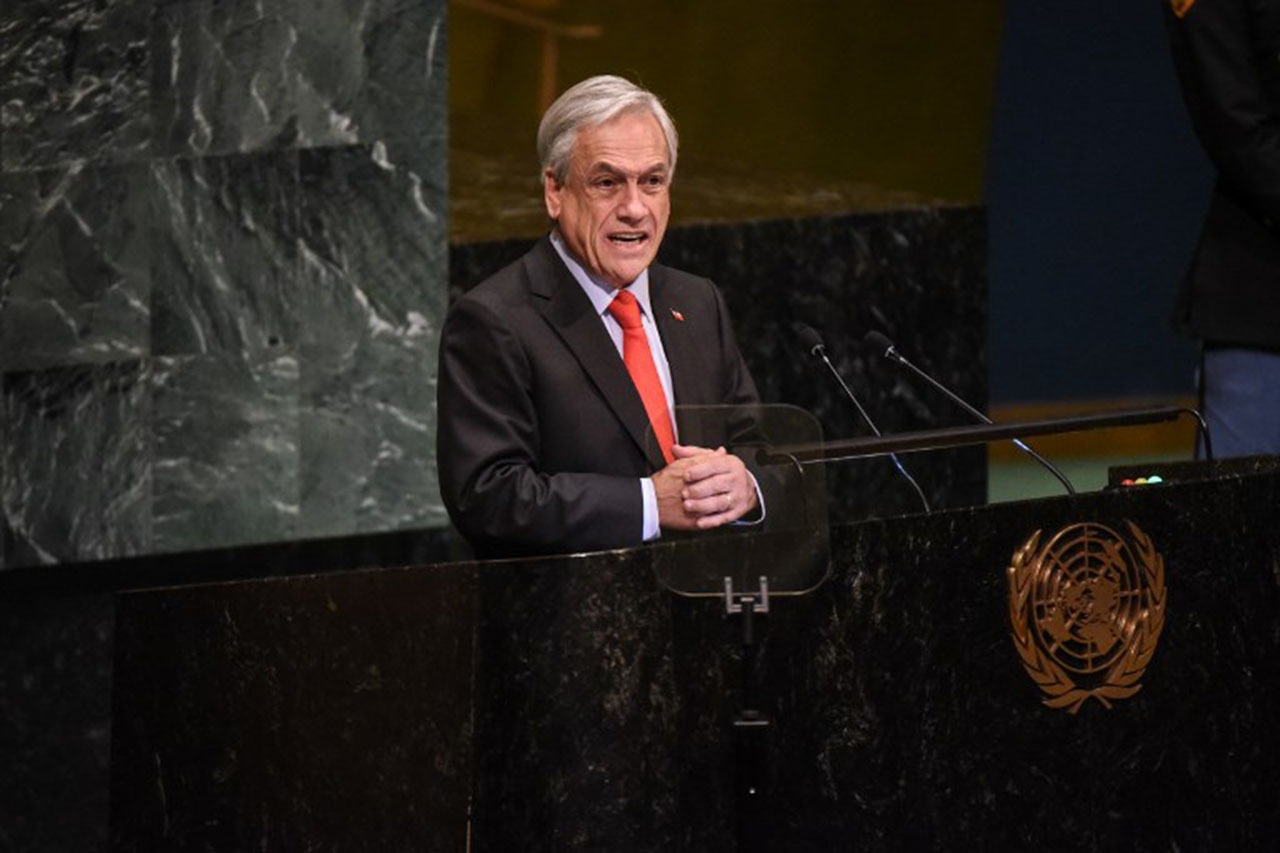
(681, 465)
(708, 522)
(698, 507)
(714, 505)
(676, 470)
(708, 486)
(710, 466)
(685, 451)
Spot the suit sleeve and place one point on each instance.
(1218, 50)
(487, 450)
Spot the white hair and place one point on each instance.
(592, 102)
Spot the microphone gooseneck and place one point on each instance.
(812, 342)
(879, 343)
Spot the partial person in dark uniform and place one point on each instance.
(1227, 55)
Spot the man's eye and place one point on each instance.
(605, 183)
(655, 181)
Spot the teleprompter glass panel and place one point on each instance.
(785, 539)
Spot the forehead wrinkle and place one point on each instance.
(606, 166)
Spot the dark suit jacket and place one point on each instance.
(541, 435)
(1225, 54)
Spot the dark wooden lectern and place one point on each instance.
(575, 704)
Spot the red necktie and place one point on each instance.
(639, 361)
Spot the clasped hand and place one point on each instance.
(703, 489)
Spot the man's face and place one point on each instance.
(613, 207)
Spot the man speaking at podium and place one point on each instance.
(556, 372)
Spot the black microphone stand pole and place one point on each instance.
(750, 727)
(813, 343)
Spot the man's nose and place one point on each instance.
(631, 206)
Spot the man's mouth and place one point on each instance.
(628, 238)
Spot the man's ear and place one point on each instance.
(551, 192)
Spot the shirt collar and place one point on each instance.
(600, 292)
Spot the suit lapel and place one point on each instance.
(572, 315)
(677, 338)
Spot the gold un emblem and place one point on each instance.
(1087, 610)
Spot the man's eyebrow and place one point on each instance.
(604, 166)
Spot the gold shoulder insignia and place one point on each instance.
(1181, 7)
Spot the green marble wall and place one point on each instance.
(222, 272)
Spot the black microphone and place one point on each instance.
(812, 342)
(884, 347)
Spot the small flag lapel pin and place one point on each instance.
(677, 315)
